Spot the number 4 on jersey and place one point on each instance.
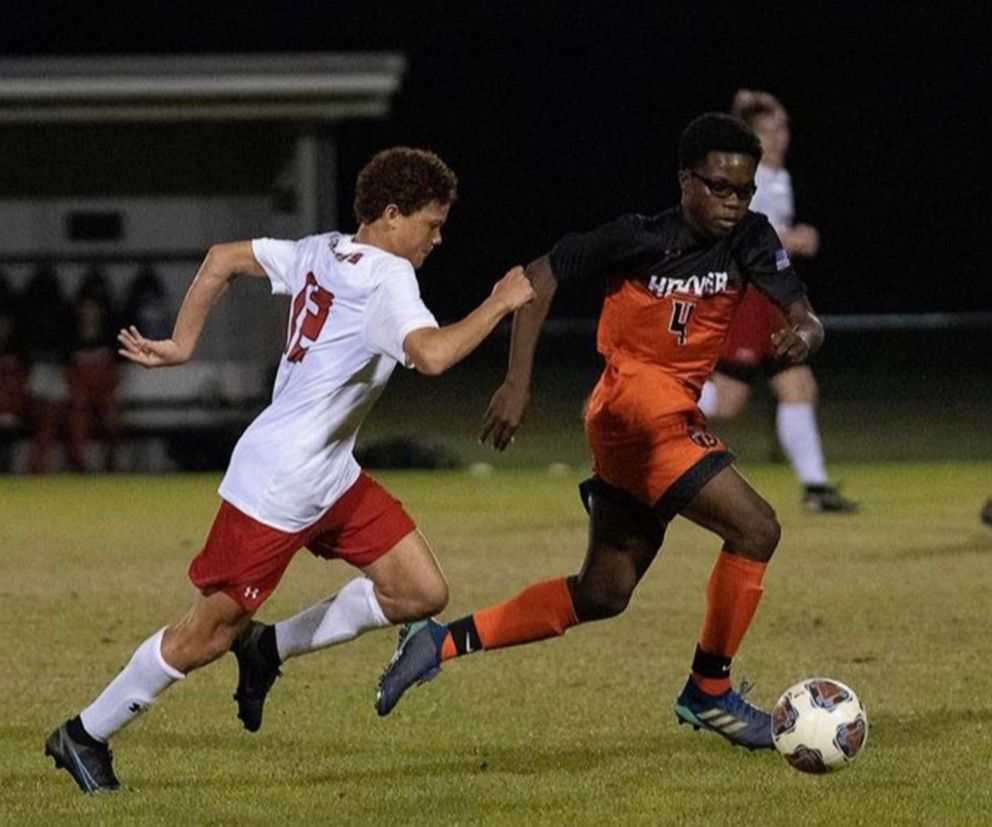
(313, 322)
(681, 316)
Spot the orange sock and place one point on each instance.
(731, 600)
(540, 611)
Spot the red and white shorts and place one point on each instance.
(246, 559)
(748, 349)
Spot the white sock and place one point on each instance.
(345, 616)
(708, 399)
(145, 677)
(800, 439)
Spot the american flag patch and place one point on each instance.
(781, 259)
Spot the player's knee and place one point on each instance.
(426, 598)
(756, 534)
(764, 534)
(434, 599)
(598, 602)
(730, 405)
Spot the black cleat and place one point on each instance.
(417, 660)
(986, 514)
(826, 498)
(91, 766)
(255, 676)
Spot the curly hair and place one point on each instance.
(716, 132)
(409, 178)
(749, 104)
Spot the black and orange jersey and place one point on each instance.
(671, 293)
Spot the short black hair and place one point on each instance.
(716, 132)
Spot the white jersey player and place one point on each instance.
(773, 196)
(355, 313)
(748, 351)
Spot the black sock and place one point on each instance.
(78, 733)
(465, 636)
(707, 665)
(267, 646)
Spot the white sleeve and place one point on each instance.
(277, 258)
(395, 309)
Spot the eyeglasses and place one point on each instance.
(724, 189)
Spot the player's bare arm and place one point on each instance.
(222, 263)
(800, 240)
(434, 350)
(804, 335)
(509, 403)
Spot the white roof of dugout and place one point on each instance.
(320, 86)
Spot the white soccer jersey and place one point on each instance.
(352, 306)
(774, 196)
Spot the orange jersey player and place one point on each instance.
(665, 317)
(673, 283)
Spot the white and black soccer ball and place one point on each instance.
(819, 725)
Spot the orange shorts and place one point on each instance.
(246, 559)
(662, 460)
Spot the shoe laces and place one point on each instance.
(739, 705)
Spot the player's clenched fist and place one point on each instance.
(514, 289)
(791, 343)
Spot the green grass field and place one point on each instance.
(894, 601)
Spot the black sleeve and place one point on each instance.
(766, 264)
(597, 254)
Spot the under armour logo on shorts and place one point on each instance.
(251, 592)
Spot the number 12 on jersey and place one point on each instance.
(313, 322)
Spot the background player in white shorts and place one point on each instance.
(748, 350)
(292, 481)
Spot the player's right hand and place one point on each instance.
(514, 289)
(504, 415)
(150, 353)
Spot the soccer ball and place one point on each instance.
(819, 725)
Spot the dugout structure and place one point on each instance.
(129, 162)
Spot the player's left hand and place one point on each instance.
(790, 343)
(149, 353)
(504, 415)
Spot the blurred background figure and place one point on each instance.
(146, 305)
(92, 374)
(15, 397)
(748, 351)
(986, 514)
(44, 327)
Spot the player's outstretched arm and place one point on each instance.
(221, 264)
(434, 350)
(509, 403)
(804, 335)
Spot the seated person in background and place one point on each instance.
(147, 305)
(44, 323)
(92, 374)
(748, 350)
(15, 397)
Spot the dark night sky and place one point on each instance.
(559, 116)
